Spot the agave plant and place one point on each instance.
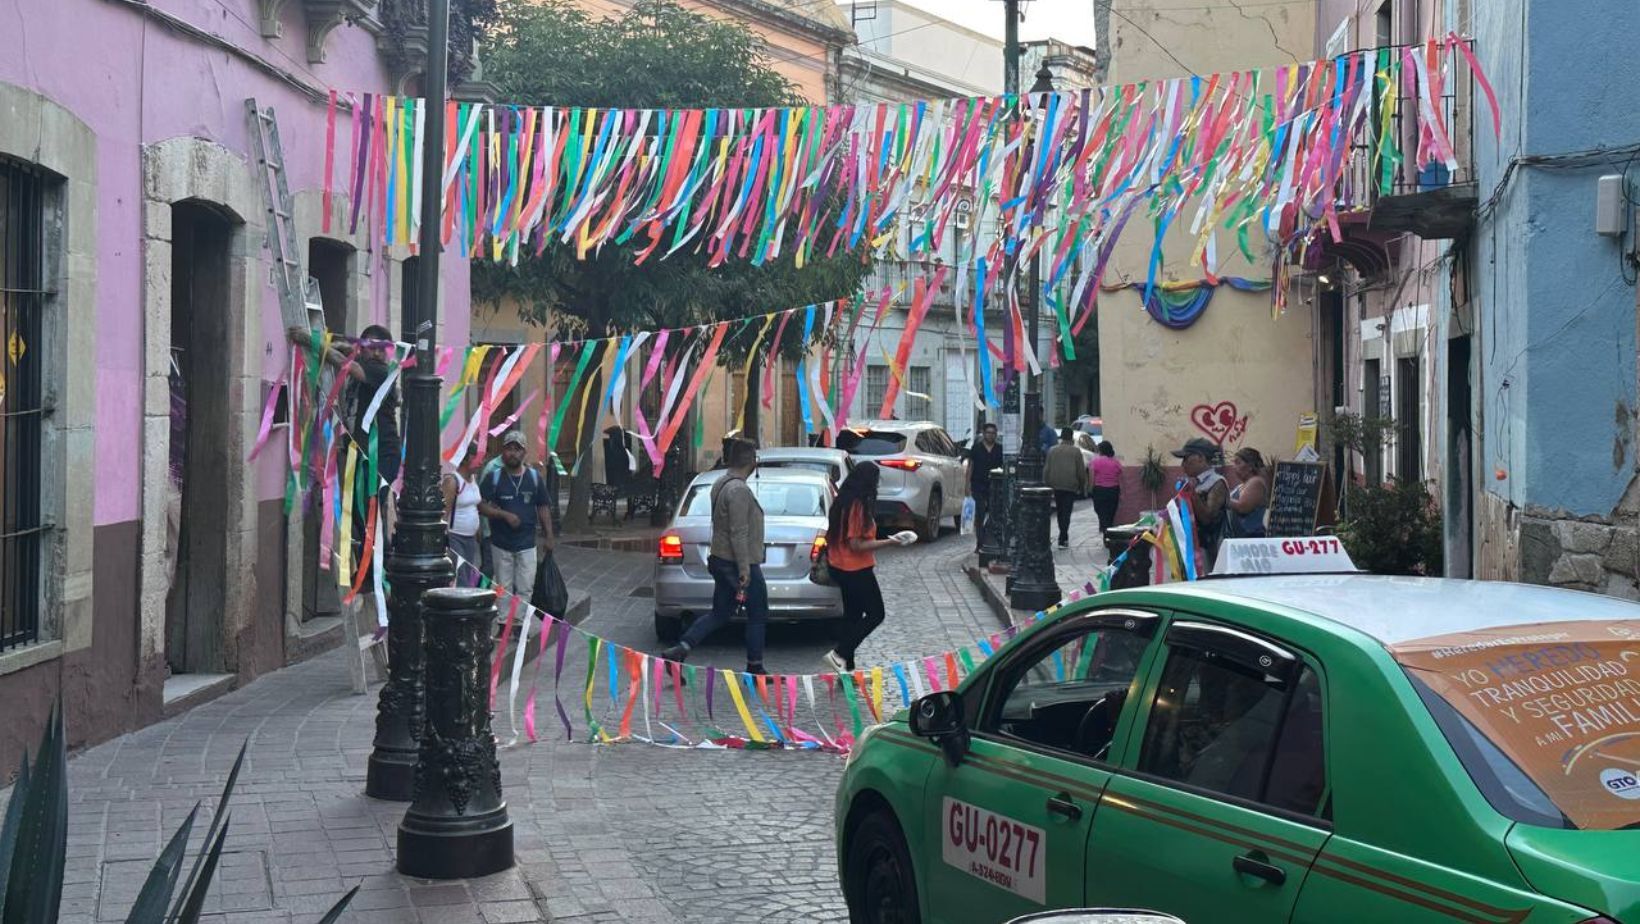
(34, 845)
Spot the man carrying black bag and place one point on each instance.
(551, 594)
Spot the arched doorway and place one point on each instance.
(198, 491)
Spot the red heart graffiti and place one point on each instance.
(1222, 422)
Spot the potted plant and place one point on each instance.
(1153, 473)
(1394, 529)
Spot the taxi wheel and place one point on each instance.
(882, 888)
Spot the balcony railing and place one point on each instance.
(1434, 200)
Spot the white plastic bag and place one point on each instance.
(967, 516)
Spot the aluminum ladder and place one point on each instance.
(287, 263)
(367, 650)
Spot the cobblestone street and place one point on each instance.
(618, 833)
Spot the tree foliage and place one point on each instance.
(662, 56)
(656, 55)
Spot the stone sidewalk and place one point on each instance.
(603, 833)
(1073, 567)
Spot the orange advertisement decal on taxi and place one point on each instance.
(1562, 700)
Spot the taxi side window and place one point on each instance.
(1219, 725)
(1069, 696)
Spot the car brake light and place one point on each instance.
(907, 465)
(818, 547)
(671, 548)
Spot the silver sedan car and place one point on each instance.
(795, 503)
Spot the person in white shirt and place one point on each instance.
(461, 499)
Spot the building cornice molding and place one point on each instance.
(777, 15)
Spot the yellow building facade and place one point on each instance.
(1237, 375)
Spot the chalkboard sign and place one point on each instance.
(1295, 497)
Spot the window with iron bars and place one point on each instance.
(876, 389)
(917, 383)
(22, 292)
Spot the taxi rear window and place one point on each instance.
(1546, 717)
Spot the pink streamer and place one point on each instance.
(933, 674)
(501, 427)
(267, 418)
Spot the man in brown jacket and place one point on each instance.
(1065, 472)
(735, 559)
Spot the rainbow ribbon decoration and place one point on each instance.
(1261, 154)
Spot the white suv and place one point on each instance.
(922, 472)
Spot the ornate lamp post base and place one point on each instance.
(994, 532)
(389, 776)
(457, 827)
(1034, 587)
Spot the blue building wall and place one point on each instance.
(1556, 318)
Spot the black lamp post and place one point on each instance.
(416, 561)
(1033, 586)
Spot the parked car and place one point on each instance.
(833, 463)
(1341, 749)
(922, 479)
(795, 503)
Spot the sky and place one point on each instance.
(1066, 20)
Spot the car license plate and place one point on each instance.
(1006, 853)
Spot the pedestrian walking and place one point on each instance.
(513, 498)
(1047, 437)
(461, 499)
(1067, 475)
(982, 458)
(1206, 491)
(1105, 476)
(851, 546)
(735, 559)
(1244, 510)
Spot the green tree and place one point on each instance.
(656, 55)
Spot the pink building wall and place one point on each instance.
(136, 81)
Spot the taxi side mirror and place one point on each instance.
(939, 718)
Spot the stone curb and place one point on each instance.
(992, 597)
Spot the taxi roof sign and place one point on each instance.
(1297, 555)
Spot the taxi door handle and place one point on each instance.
(1062, 805)
(1253, 864)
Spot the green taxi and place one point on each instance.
(1295, 748)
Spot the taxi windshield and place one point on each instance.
(1545, 717)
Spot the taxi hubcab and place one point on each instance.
(1290, 747)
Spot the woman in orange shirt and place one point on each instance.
(851, 544)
